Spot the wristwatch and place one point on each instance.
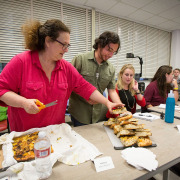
(138, 92)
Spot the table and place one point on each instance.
(167, 151)
(160, 110)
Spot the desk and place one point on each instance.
(160, 110)
(167, 152)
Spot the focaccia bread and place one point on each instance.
(143, 130)
(126, 132)
(117, 128)
(128, 140)
(124, 118)
(143, 134)
(132, 126)
(109, 122)
(23, 147)
(144, 141)
(127, 122)
(119, 111)
(132, 120)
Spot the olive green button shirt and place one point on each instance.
(101, 76)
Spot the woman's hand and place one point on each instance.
(111, 105)
(175, 84)
(30, 106)
(135, 87)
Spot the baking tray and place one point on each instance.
(116, 141)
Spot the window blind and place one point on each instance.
(13, 15)
(151, 44)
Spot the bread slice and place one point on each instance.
(119, 111)
(128, 140)
(112, 125)
(127, 122)
(143, 134)
(144, 141)
(124, 132)
(132, 126)
(124, 118)
(117, 128)
(109, 122)
(143, 130)
(133, 120)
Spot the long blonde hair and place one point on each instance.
(120, 84)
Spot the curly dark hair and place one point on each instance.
(35, 33)
(160, 77)
(106, 38)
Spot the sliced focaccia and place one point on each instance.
(119, 111)
(124, 132)
(143, 134)
(117, 128)
(143, 130)
(124, 118)
(133, 120)
(127, 122)
(109, 122)
(128, 140)
(144, 141)
(132, 126)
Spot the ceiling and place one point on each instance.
(161, 14)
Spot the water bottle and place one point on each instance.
(170, 107)
(42, 151)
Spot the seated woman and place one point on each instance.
(156, 92)
(128, 91)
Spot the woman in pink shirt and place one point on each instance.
(156, 92)
(42, 74)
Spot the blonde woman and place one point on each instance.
(127, 89)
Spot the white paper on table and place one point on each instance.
(104, 163)
(145, 116)
(163, 106)
(69, 148)
(140, 158)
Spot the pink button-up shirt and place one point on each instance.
(25, 76)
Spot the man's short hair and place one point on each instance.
(176, 69)
(105, 38)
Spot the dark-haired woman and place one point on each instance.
(42, 74)
(156, 92)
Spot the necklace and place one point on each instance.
(128, 101)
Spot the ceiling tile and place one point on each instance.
(77, 1)
(177, 19)
(159, 6)
(140, 15)
(155, 20)
(122, 9)
(171, 13)
(101, 4)
(137, 3)
(168, 25)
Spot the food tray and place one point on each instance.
(116, 141)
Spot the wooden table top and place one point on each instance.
(167, 152)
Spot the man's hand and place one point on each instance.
(111, 105)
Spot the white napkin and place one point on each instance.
(163, 106)
(145, 116)
(69, 148)
(140, 158)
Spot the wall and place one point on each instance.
(175, 49)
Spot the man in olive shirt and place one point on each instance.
(97, 70)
